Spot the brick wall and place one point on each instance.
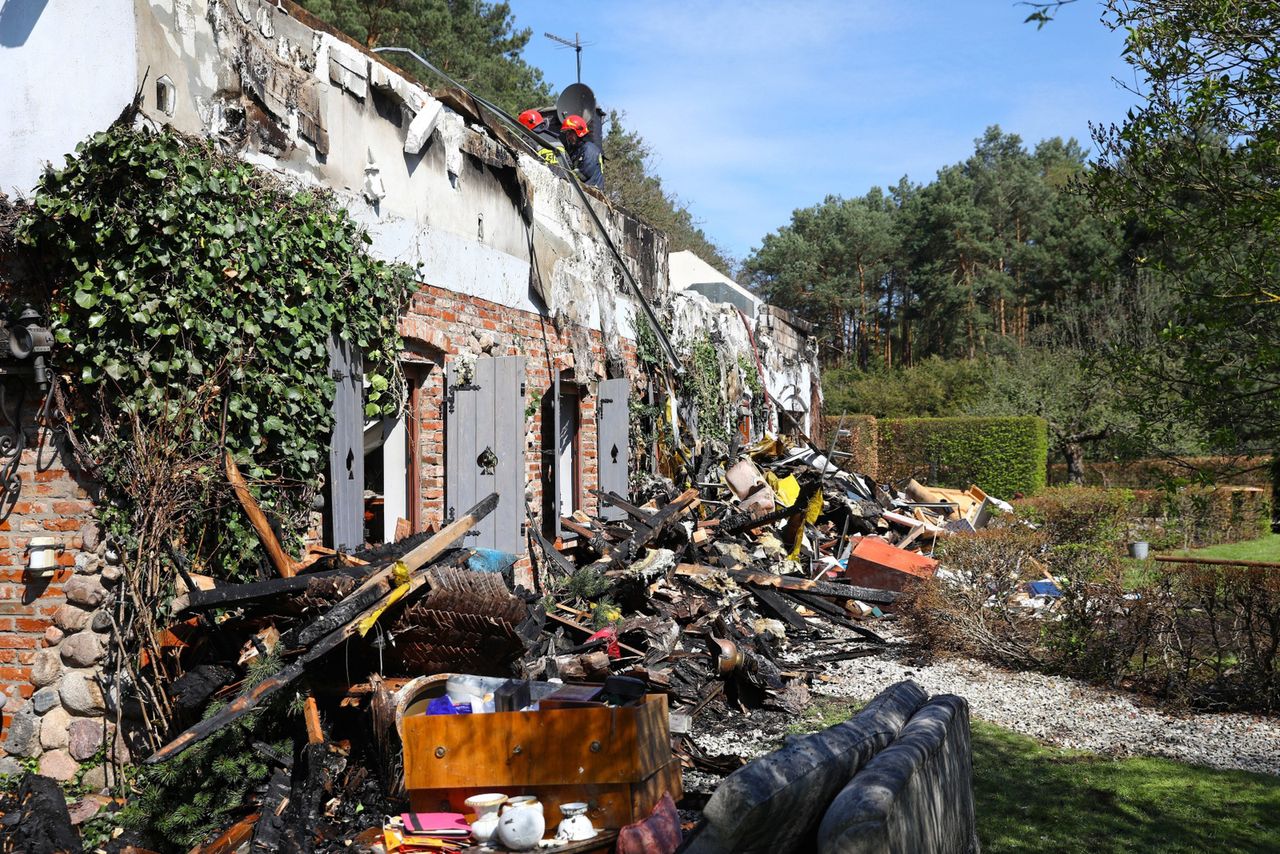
(53, 631)
(449, 324)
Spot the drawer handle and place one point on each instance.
(595, 747)
(440, 751)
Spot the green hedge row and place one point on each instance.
(1198, 516)
(861, 442)
(1161, 473)
(1003, 456)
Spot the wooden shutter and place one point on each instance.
(613, 441)
(484, 449)
(551, 458)
(346, 447)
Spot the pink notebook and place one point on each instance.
(444, 824)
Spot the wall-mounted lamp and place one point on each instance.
(30, 339)
(42, 555)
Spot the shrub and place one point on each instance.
(971, 608)
(1159, 473)
(861, 442)
(1077, 515)
(1221, 637)
(1196, 516)
(1004, 456)
(1205, 636)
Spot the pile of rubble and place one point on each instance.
(729, 595)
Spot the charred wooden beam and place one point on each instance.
(226, 595)
(790, 582)
(779, 607)
(383, 580)
(832, 613)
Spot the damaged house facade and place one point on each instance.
(521, 342)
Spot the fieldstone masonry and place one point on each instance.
(54, 632)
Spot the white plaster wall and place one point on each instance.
(441, 212)
(67, 70)
(686, 268)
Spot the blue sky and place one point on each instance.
(754, 109)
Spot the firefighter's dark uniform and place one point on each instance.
(587, 159)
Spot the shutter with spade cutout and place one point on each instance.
(484, 448)
(613, 441)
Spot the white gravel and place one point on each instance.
(1069, 713)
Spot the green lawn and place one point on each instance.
(1032, 798)
(1035, 798)
(1266, 549)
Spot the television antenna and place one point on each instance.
(576, 44)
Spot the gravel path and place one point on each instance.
(1070, 713)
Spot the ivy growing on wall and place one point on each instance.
(192, 299)
(705, 384)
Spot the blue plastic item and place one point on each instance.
(445, 706)
(1043, 588)
(490, 560)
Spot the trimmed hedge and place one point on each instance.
(1199, 516)
(861, 442)
(1003, 456)
(1161, 473)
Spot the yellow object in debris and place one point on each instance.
(814, 510)
(811, 513)
(400, 578)
(607, 613)
(786, 489)
(769, 447)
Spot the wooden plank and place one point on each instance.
(587, 630)
(381, 581)
(790, 582)
(1216, 561)
(225, 595)
(832, 613)
(284, 564)
(615, 500)
(613, 441)
(779, 606)
(611, 562)
(231, 839)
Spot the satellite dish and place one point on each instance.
(577, 99)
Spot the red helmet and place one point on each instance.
(576, 125)
(530, 119)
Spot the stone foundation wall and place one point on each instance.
(54, 629)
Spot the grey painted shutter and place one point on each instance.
(613, 440)
(346, 447)
(484, 449)
(553, 461)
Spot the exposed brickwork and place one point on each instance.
(440, 323)
(52, 503)
(450, 324)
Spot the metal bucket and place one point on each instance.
(1138, 550)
